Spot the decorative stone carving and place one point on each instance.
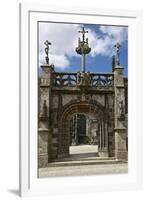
(47, 43)
(117, 46)
(121, 105)
(44, 114)
(83, 79)
(83, 48)
(63, 94)
(121, 115)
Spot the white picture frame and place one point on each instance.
(30, 185)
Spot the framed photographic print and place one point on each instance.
(80, 99)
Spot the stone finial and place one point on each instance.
(117, 46)
(113, 62)
(47, 43)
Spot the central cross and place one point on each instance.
(83, 48)
(83, 33)
(117, 46)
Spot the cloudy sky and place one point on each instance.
(64, 39)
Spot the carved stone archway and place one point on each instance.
(88, 108)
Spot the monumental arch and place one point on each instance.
(82, 108)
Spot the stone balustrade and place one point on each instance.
(68, 79)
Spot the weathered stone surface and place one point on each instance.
(111, 101)
(67, 98)
(43, 160)
(99, 98)
(120, 115)
(54, 101)
(102, 106)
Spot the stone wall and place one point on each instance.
(105, 100)
(105, 104)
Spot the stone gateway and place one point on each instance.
(76, 108)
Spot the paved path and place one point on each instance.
(83, 160)
(98, 169)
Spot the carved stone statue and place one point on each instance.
(83, 79)
(78, 78)
(44, 109)
(47, 43)
(121, 111)
(121, 106)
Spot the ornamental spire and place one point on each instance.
(117, 46)
(47, 43)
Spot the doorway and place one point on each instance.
(81, 145)
(79, 130)
(83, 125)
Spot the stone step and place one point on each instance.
(83, 162)
(83, 158)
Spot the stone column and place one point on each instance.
(103, 150)
(106, 136)
(100, 137)
(44, 129)
(119, 114)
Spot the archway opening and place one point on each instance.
(83, 130)
(78, 130)
(83, 136)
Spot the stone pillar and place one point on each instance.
(106, 136)
(87, 126)
(119, 114)
(103, 139)
(44, 129)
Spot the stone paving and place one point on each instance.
(83, 170)
(83, 160)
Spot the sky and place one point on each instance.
(64, 40)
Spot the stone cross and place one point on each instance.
(83, 48)
(83, 33)
(47, 50)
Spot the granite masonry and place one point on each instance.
(96, 100)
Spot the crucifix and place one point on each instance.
(83, 48)
(83, 34)
(47, 43)
(117, 46)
